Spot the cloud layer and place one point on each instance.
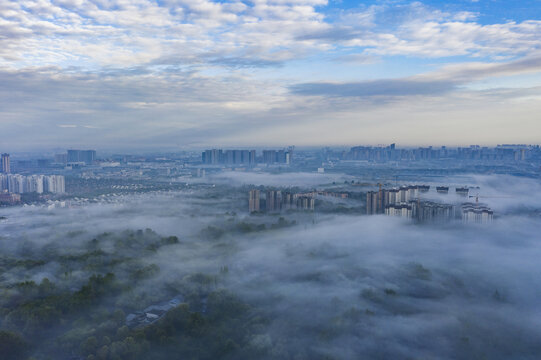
(207, 72)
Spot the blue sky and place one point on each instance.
(491, 11)
(145, 74)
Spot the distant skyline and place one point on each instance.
(178, 74)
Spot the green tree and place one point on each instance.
(12, 346)
(89, 346)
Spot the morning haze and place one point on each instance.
(270, 179)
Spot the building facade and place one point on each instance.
(476, 213)
(6, 167)
(277, 201)
(81, 156)
(254, 201)
(20, 184)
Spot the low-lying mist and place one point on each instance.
(328, 286)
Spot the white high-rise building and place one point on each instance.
(3, 183)
(34, 183)
(54, 184)
(19, 184)
(16, 184)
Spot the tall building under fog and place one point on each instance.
(6, 169)
(276, 201)
(476, 213)
(273, 201)
(406, 202)
(253, 201)
(401, 210)
(378, 201)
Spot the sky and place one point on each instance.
(179, 74)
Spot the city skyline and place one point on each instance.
(168, 75)
(249, 154)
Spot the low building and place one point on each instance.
(9, 198)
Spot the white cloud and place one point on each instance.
(121, 33)
(219, 70)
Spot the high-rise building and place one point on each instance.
(43, 163)
(306, 203)
(269, 156)
(280, 156)
(273, 200)
(442, 189)
(54, 184)
(213, 157)
(432, 212)
(88, 156)
(81, 156)
(253, 200)
(3, 183)
(375, 202)
(476, 213)
(228, 157)
(19, 184)
(402, 210)
(378, 201)
(5, 164)
(34, 183)
(288, 201)
(276, 201)
(73, 155)
(422, 211)
(270, 200)
(371, 203)
(16, 184)
(61, 158)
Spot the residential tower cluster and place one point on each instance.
(407, 202)
(276, 201)
(246, 157)
(20, 184)
(506, 152)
